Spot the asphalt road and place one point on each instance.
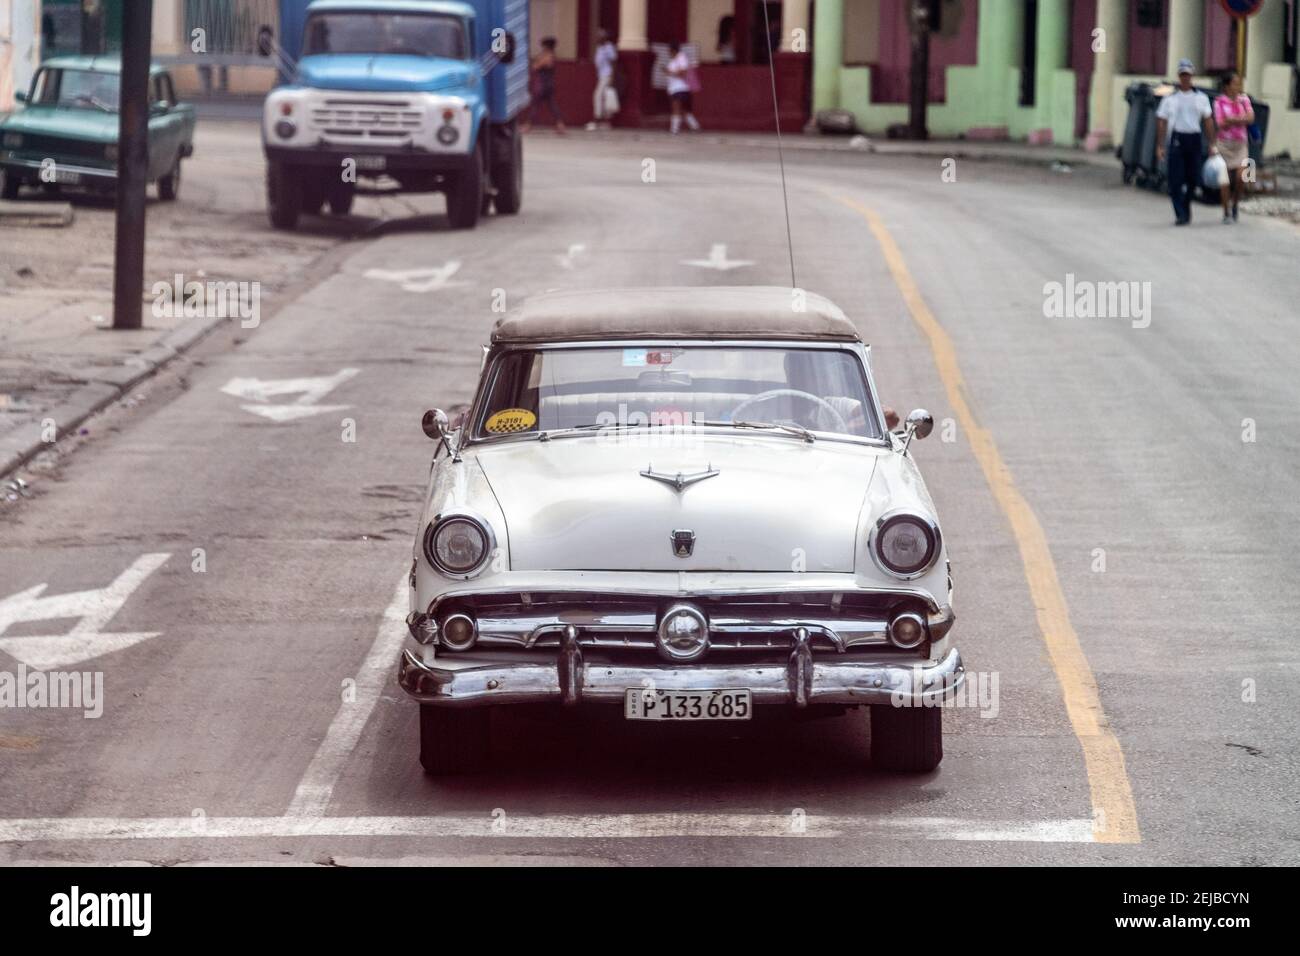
(233, 733)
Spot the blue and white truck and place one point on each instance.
(402, 96)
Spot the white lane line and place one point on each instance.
(551, 826)
(378, 670)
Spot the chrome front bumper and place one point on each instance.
(569, 679)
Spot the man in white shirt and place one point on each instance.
(606, 57)
(679, 89)
(1180, 120)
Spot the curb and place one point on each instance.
(25, 442)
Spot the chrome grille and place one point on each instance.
(377, 120)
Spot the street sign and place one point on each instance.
(1241, 9)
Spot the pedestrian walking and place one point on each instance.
(683, 83)
(543, 86)
(1233, 113)
(1180, 120)
(605, 99)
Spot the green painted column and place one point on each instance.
(1052, 42)
(828, 53)
(998, 45)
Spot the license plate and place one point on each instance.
(640, 704)
(68, 176)
(372, 162)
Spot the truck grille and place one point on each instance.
(383, 121)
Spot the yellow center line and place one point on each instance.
(1114, 813)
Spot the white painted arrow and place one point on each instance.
(308, 390)
(419, 280)
(570, 258)
(93, 609)
(718, 260)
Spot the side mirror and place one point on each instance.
(162, 106)
(919, 424)
(434, 424)
(20, 97)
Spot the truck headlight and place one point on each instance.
(457, 544)
(447, 135)
(904, 544)
(285, 129)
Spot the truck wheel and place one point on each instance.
(453, 739)
(508, 172)
(8, 185)
(465, 198)
(339, 196)
(169, 186)
(909, 739)
(283, 195)
(313, 196)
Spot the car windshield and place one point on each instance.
(76, 89)
(818, 390)
(414, 34)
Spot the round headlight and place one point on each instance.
(456, 545)
(447, 135)
(906, 545)
(285, 129)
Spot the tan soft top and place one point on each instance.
(703, 312)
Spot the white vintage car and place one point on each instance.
(685, 503)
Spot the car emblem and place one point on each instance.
(683, 543)
(678, 481)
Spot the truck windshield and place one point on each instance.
(821, 390)
(412, 34)
(76, 89)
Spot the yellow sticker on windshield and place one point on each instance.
(510, 420)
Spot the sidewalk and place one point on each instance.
(59, 360)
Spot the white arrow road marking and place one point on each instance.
(308, 390)
(718, 260)
(419, 280)
(570, 258)
(93, 608)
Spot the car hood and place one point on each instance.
(382, 73)
(777, 503)
(94, 125)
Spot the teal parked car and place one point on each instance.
(66, 135)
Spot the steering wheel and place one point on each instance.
(820, 403)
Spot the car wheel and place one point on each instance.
(8, 185)
(909, 739)
(169, 186)
(453, 739)
(283, 195)
(508, 173)
(465, 198)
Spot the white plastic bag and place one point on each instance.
(611, 101)
(1215, 171)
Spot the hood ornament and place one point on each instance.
(679, 481)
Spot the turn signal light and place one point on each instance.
(459, 631)
(906, 630)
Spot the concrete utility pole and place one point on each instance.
(132, 165)
(922, 13)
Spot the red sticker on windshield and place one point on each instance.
(659, 358)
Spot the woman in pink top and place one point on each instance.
(1232, 114)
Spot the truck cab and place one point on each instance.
(401, 96)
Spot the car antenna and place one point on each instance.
(780, 153)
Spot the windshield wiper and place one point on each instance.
(799, 430)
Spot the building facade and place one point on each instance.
(1047, 71)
